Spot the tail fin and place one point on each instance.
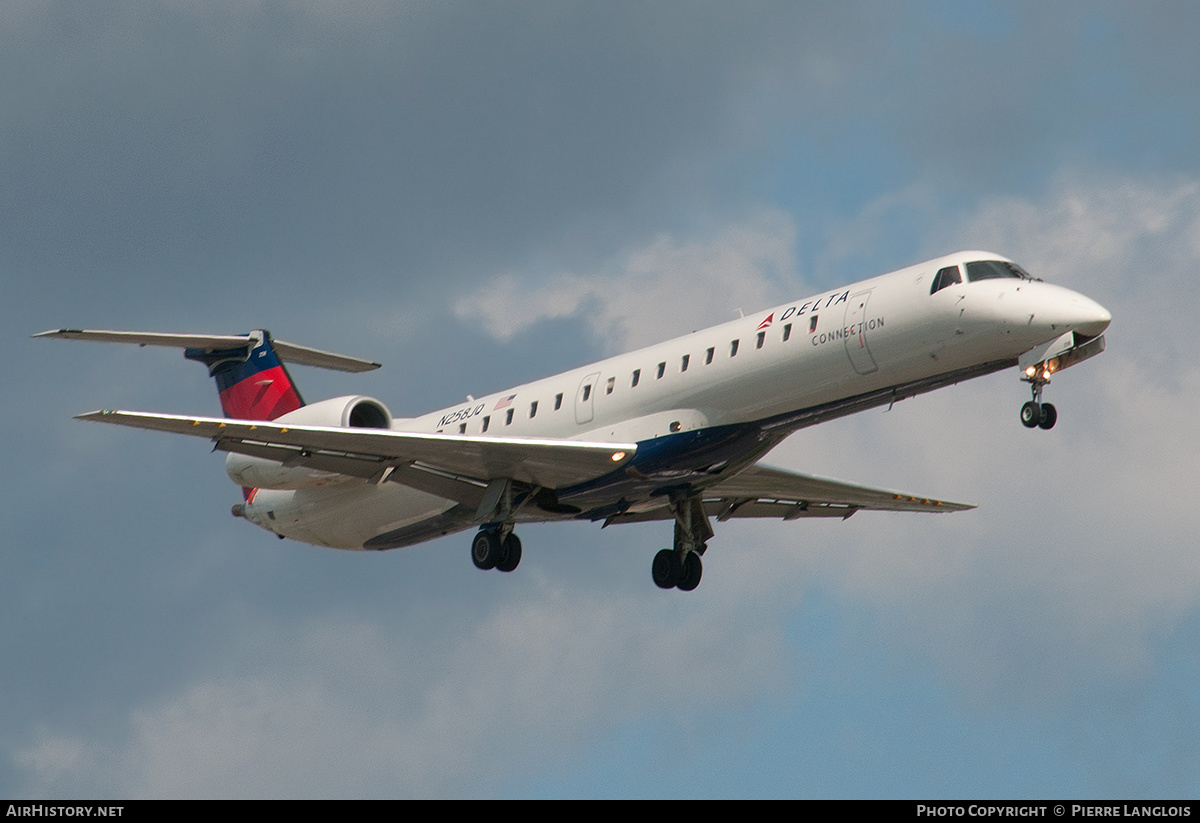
(248, 368)
(252, 381)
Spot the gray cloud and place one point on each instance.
(395, 143)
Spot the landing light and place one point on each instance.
(1031, 371)
(618, 457)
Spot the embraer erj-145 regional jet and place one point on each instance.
(671, 432)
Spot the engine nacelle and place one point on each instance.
(352, 412)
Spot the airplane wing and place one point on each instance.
(761, 491)
(457, 466)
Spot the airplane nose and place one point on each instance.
(1059, 309)
(1089, 317)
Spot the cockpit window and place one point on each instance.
(994, 269)
(945, 277)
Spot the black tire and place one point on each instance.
(1049, 416)
(692, 571)
(1031, 415)
(665, 569)
(485, 550)
(510, 553)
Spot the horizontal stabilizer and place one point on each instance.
(290, 352)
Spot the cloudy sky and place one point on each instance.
(479, 194)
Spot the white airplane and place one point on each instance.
(670, 432)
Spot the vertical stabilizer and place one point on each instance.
(253, 383)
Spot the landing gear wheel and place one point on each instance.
(486, 550)
(665, 569)
(1049, 416)
(510, 553)
(690, 575)
(1031, 415)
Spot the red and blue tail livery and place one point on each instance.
(252, 382)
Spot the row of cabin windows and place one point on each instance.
(635, 378)
(709, 354)
(508, 415)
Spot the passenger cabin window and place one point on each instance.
(486, 420)
(733, 347)
(558, 401)
(462, 428)
(945, 277)
(587, 392)
(787, 332)
(762, 337)
(533, 408)
(608, 387)
(683, 364)
(708, 356)
(662, 369)
(993, 270)
(508, 417)
(637, 375)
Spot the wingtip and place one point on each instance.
(106, 416)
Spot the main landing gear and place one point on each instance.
(496, 549)
(1035, 414)
(669, 573)
(680, 567)
(495, 546)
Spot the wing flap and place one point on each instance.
(537, 461)
(766, 483)
(761, 491)
(466, 490)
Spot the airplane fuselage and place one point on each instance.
(703, 406)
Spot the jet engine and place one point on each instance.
(352, 411)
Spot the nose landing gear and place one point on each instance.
(1039, 416)
(1035, 414)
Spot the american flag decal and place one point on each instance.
(504, 401)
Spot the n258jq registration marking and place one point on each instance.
(465, 413)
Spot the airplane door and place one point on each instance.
(856, 333)
(585, 397)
